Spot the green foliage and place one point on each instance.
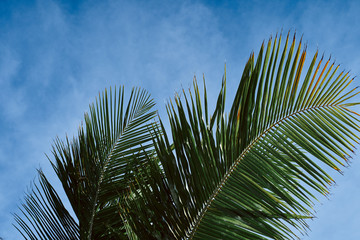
(94, 168)
(253, 173)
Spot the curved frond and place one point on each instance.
(47, 215)
(95, 167)
(252, 174)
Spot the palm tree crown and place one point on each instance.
(253, 173)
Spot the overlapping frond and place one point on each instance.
(252, 174)
(94, 167)
(48, 217)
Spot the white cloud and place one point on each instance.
(12, 104)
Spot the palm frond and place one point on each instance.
(48, 217)
(255, 173)
(94, 167)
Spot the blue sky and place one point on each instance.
(55, 57)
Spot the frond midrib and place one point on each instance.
(103, 170)
(192, 230)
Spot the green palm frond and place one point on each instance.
(94, 167)
(47, 215)
(252, 174)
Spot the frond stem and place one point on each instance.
(98, 187)
(103, 170)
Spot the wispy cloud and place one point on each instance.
(55, 61)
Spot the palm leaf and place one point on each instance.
(47, 215)
(255, 173)
(94, 167)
